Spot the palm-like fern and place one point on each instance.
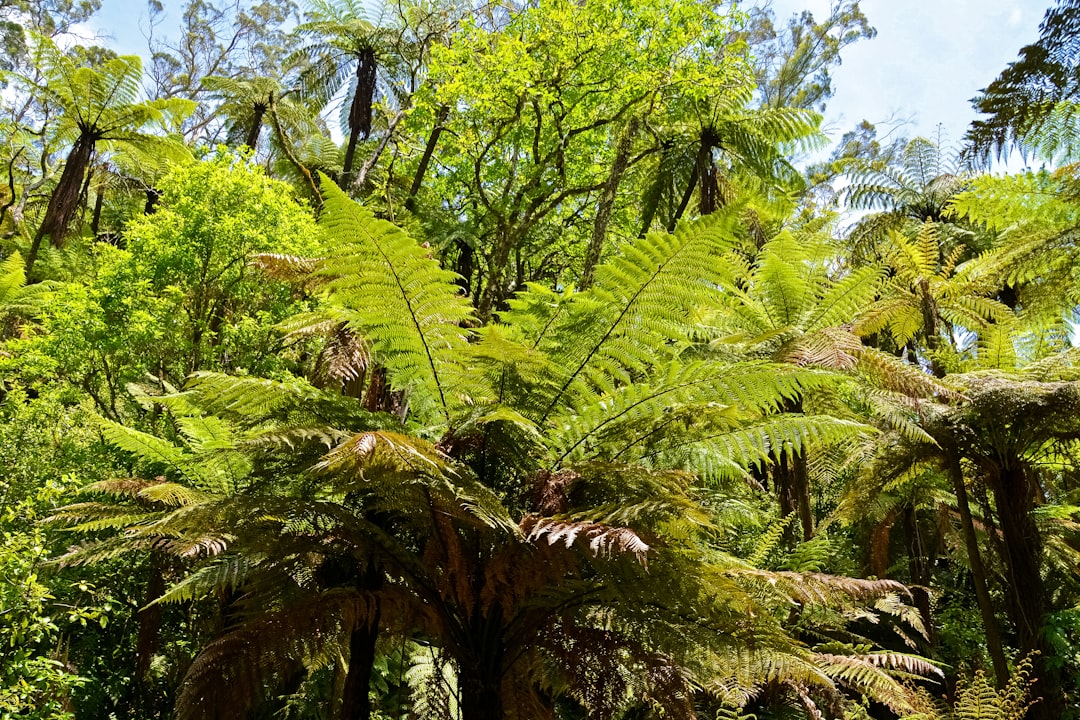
(917, 188)
(927, 299)
(99, 107)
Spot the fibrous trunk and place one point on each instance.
(994, 644)
(64, 200)
(1014, 491)
(256, 126)
(360, 111)
(356, 696)
(793, 487)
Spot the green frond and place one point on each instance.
(770, 540)
(12, 278)
(793, 434)
(846, 298)
(221, 573)
(978, 699)
(154, 450)
(602, 427)
(640, 302)
(396, 296)
(867, 674)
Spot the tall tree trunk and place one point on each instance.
(312, 180)
(359, 111)
(708, 183)
(64, 200)
(1014, 495)
(793, 489)
(356, 693)
(480, 679)
(495, 289)
(684, 202)
(425, 159)
(994, 644)
(465, 266)
(148, 638)
(607, 202)
(99, 202)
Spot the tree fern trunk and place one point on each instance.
(994, 644)
(708, 183)
(793, 489)
(465, 266)
(148, 638)
(256, 126)
(64, 200)
(356, 695)
(359, 112)
(480, 688)
(95, 218)
(480, 667)
(918, 569)
(1014, 495)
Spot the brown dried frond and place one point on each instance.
(122, 487)
(344, 357)
(603, 540)
(549, 490)
(234, 673)
(286, 268)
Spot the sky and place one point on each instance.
(930, 57)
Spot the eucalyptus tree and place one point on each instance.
(21, 18)
(792, 64)
(98, 109)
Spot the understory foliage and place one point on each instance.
(551, 388)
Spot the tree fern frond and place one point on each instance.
(220, 574)
(399, 300)
(601, 539)
(641, 299)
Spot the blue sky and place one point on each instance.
(929, 59)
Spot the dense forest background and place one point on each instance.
(513, 360)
